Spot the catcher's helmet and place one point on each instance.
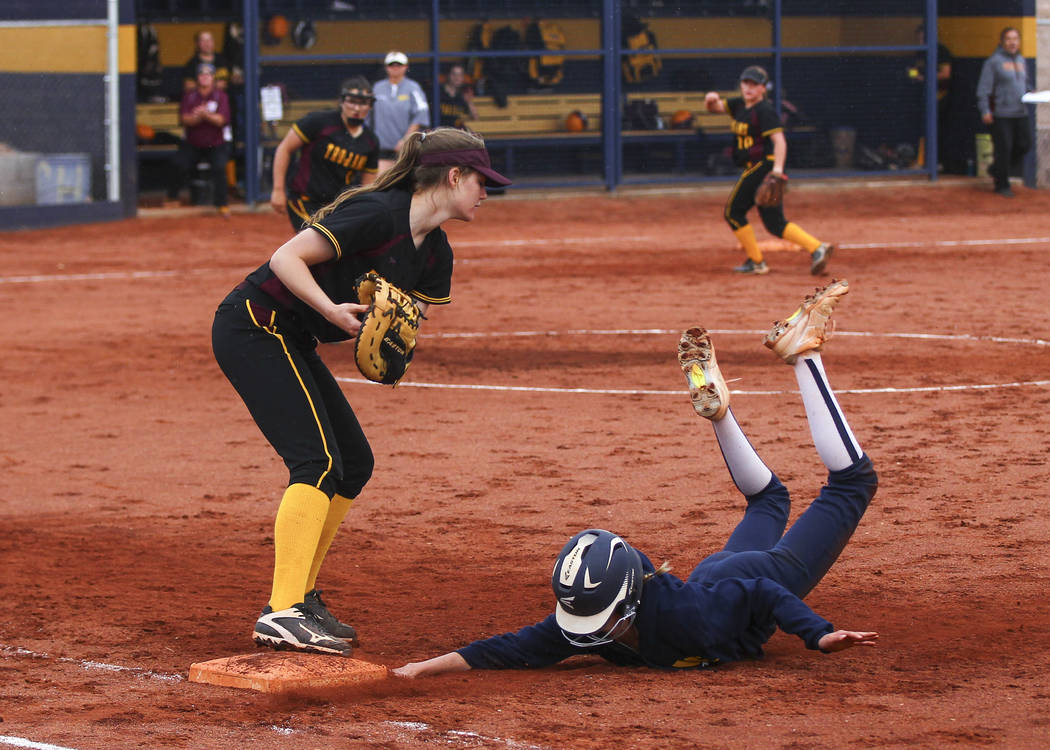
(597, 575)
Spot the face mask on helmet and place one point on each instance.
(597, 581)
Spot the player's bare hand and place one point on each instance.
(345, 316)
(409, 671)
(840, 640)
(278, 200)
(988, 119)
(713, 101)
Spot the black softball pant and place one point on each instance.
(185, 162)
(293, 398)
(742, 199)
(1011, 140)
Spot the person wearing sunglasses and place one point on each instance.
(613, 602)
(338, 151)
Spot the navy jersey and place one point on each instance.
(680, 625)
(752, 127)
(368, 232)
(331, 157)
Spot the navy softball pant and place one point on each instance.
(797, 560)
(293, 398)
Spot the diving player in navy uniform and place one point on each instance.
(265, 337)
(338, 150)
(759, 146)
(613, 602)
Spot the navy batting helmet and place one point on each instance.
(597, 575)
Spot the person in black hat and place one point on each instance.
(265, 338)
(759, 146)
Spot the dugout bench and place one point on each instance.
(528, 122)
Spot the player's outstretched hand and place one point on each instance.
(840, 640)
(451, 662)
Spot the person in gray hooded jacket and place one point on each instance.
(1003, 81)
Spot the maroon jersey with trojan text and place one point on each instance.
(331, 157)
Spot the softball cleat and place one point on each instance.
(707, 388)
(819, 260)
(754, 269)
(806, 329)
(296, 629)
(313, 604)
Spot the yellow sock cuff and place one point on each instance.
(746, 236)
(296, 531)
(337, 510)
(798, 235)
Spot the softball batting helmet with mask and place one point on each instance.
(597, 581)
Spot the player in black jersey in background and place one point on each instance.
(760, 148)
(337, 147)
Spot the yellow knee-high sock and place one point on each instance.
(336, 512)
(794, 233)
(231, 173)
(746, 236)
(300, 520)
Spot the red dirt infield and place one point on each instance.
(138, 497)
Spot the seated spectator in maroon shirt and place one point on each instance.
(205, 116)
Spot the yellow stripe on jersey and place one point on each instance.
(299, 133)
(270, 329)
(431, 300)
(770, 132)
(331, 238)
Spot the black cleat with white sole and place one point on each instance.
(296, 629)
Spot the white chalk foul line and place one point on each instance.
(643, 239)
(723, 331)
(160, 274)
(731, 331)
(461, 736)
(88, 664)
(107, 276)
(647, 392)
(22, 742)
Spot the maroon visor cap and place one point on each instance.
(474, 158)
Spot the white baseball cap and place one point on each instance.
(395, 58)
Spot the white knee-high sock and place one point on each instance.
(835, 442)
(749, 473)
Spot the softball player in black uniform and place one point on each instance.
(336, 146)
(760, 147)
(265, 336)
